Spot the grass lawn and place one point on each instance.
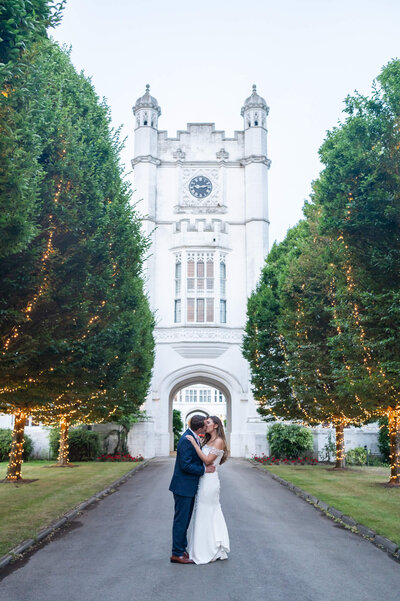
(357, 492)
(27, 508)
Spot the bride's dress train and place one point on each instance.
(208, 538)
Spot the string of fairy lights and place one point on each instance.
(17, 447)
(338, 418)
(392, 411)
(61, 410)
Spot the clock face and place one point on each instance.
(200, 186)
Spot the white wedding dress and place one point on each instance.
(208, 538)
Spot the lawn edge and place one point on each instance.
(334, 514)
(16, 552)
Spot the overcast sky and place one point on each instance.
(201, 59)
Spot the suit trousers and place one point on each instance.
(183, 513)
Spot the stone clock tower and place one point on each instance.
(204, 198)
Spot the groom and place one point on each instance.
(188, 469)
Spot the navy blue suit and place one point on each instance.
(188, 469)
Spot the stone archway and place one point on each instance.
(210, 376)
(209, 382)
(245, 432)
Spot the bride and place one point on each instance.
(208, 538)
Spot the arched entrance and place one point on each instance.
(193, 380)
(245, 432)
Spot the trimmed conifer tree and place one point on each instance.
(75, 321)
(359, 193)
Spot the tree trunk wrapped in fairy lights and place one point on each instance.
(394, 440)
(17, 447)
(63, 451)
(340, 452)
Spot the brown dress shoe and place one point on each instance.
(181, 559)
(186, 554)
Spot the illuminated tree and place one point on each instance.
(75, 326)
(320, 373)
(359, 193)
(292, 318)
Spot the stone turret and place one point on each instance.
(254, 111)
(146, 110)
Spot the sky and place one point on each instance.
(201, 59)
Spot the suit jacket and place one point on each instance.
(188, 468)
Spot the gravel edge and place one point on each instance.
(379, 541)
(17, 551)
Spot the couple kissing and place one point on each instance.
(199, 533)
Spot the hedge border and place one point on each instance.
(334, 514)
(16, 552)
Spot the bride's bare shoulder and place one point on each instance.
(219, 444)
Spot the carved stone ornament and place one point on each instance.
(179, 154)
(188, 334)
(222, 154)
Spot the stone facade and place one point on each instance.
(205, 201)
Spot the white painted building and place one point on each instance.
(205, 200)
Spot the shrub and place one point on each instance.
(5, 444)
(289, 441)
(177, 426)
(377, 461)
(383, 439)
(84, 445)
(357, 456)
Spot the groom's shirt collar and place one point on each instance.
(196, 436)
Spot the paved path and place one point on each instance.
(282, 549)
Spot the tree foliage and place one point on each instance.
(323, 330)
(75, 325)
(359, 192)
(23, 24)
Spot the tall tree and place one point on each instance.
(76, 327)
(359, 192)
(292, 317)
(309, 321)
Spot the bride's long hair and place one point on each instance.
(220, 434)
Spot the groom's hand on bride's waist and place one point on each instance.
(210, 469)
